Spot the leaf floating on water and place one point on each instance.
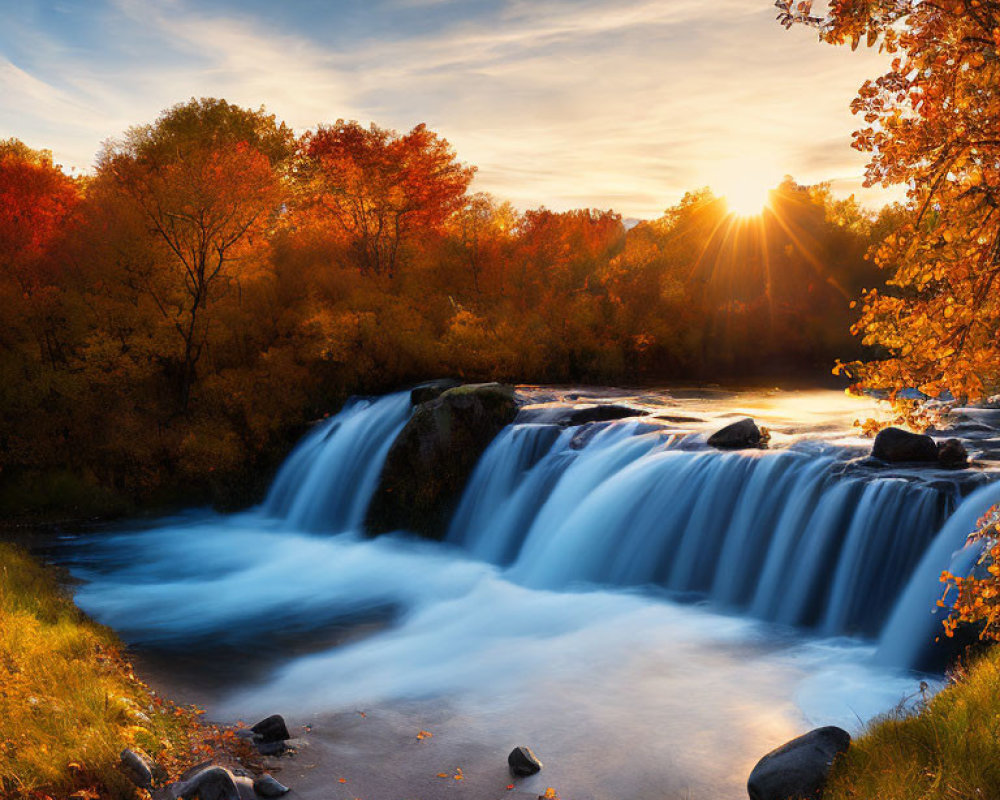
(443, 775)
(424, 735)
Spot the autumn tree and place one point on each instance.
(383, 192)
(930, 124)
(38, 205)
(204, 183)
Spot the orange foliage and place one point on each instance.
(977, 601)
(218, 282)
(931, 125)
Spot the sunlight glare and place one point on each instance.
(745, 182)
(746, 199)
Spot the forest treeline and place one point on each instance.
(172, 320)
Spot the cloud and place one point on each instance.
(559, 102)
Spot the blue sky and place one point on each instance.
(564, 103)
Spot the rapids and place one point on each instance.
(618, 595)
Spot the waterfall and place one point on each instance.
(910, 633)
(796, 536)
(782, 535)
(327, 481)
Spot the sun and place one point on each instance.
(746, 199)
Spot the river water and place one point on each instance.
(650, 615)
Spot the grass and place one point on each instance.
(950, 750)
(69, 702)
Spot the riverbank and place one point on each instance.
(947, 751)
(70, 702)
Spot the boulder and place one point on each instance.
(952, 454)
(523, 762)
(431, 390)
(272, 729)
(605, 412)
(799, 769)
(896, 445)
(430, 462)
(266, 786)
(214, 783)
(137, 768)
(270, 748)
(737, 436)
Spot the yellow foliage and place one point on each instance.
(69, 703)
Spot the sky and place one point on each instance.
(622, 104)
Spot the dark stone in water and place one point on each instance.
(214, 783)
(952, 454)
(271, 748)
(737, 436)
(895, 446)
(799, 769)
(432, 458)
(266, 786)
(605, 412)
(431, 390)
(523, 762)
(272, 729)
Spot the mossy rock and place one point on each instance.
(432, 458)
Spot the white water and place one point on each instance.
(550, 615)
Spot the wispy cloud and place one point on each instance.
(559, 102)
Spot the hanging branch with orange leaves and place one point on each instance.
(931, 125)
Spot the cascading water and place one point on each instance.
(328, 480)
(548, 612)
(777, 533)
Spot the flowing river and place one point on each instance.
(648, 614)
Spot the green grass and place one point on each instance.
(69, 702)
(950, 750)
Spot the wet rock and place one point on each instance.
(214, 783)
(431, 390)
(523, 762)
(271, 748)
(799, 769)
(432, 458)
(137, 768)
(605, 412)
(272, 729)
(896, 445)
(190, 772)
(737, 436)
(266, 786)
(952, 454)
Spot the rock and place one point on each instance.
(431, 390)
(137, 768)
(952, 454)
(798, 770)
(523, 762)
(606, 412)
(190, 772)
(272, 729)
(896, 445)
(430, 462)
(214, 783)
(737, 436)
(271, 748)
(266, 786)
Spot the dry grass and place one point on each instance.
(950, 750)
(69, 703)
